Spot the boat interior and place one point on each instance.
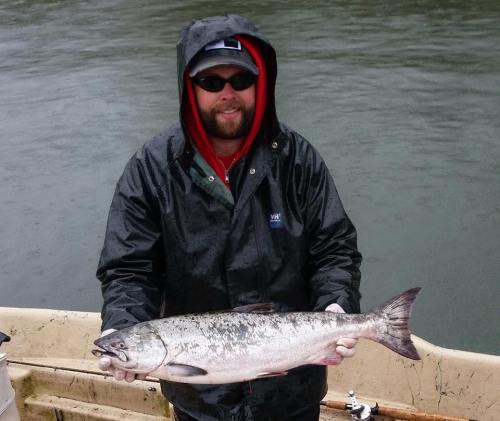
(55, 376)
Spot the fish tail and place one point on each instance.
(394, 315)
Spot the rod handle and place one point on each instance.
(402, 414)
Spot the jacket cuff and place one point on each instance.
(107, 332)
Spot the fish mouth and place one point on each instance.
(102, 353)
(112, 354)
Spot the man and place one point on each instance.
(226, 209)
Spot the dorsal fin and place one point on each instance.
(255, 308)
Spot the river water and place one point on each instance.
(401, 98)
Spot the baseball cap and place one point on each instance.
(225, 51)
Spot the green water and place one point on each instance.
(402, 99)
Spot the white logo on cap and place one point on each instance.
(228, 44)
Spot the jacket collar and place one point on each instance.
(256, 165)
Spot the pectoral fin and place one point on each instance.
(185, 370)
(265, 374)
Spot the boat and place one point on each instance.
(55, 376)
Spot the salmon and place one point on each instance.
(251, 342)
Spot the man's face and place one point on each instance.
(227, 114)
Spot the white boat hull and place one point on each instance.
(54, 374)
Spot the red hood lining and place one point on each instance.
(194, 125)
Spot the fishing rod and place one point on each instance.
(359, 411)
(6, 338)
(363, 412)
(75, 370)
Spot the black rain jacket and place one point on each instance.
(178, 241)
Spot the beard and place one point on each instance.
(231, 129)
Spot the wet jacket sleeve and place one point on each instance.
(334, 259)
(129, 268)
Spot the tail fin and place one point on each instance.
(394, 315)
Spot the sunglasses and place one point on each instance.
(214, 83)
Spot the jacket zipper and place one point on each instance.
(226, 170)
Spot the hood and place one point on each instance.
(198, 33)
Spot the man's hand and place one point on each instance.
(117, 373)
(345, 346)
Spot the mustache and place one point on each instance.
(228, 105)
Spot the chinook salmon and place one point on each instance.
(251, 342)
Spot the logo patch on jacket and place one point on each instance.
(275, 221)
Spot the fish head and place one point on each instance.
(138, 349)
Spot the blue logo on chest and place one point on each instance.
(275, 221)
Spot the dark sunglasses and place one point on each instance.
(214, 83)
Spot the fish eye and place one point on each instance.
(119, 345)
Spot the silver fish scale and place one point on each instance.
(236, 346)
(219, 343)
